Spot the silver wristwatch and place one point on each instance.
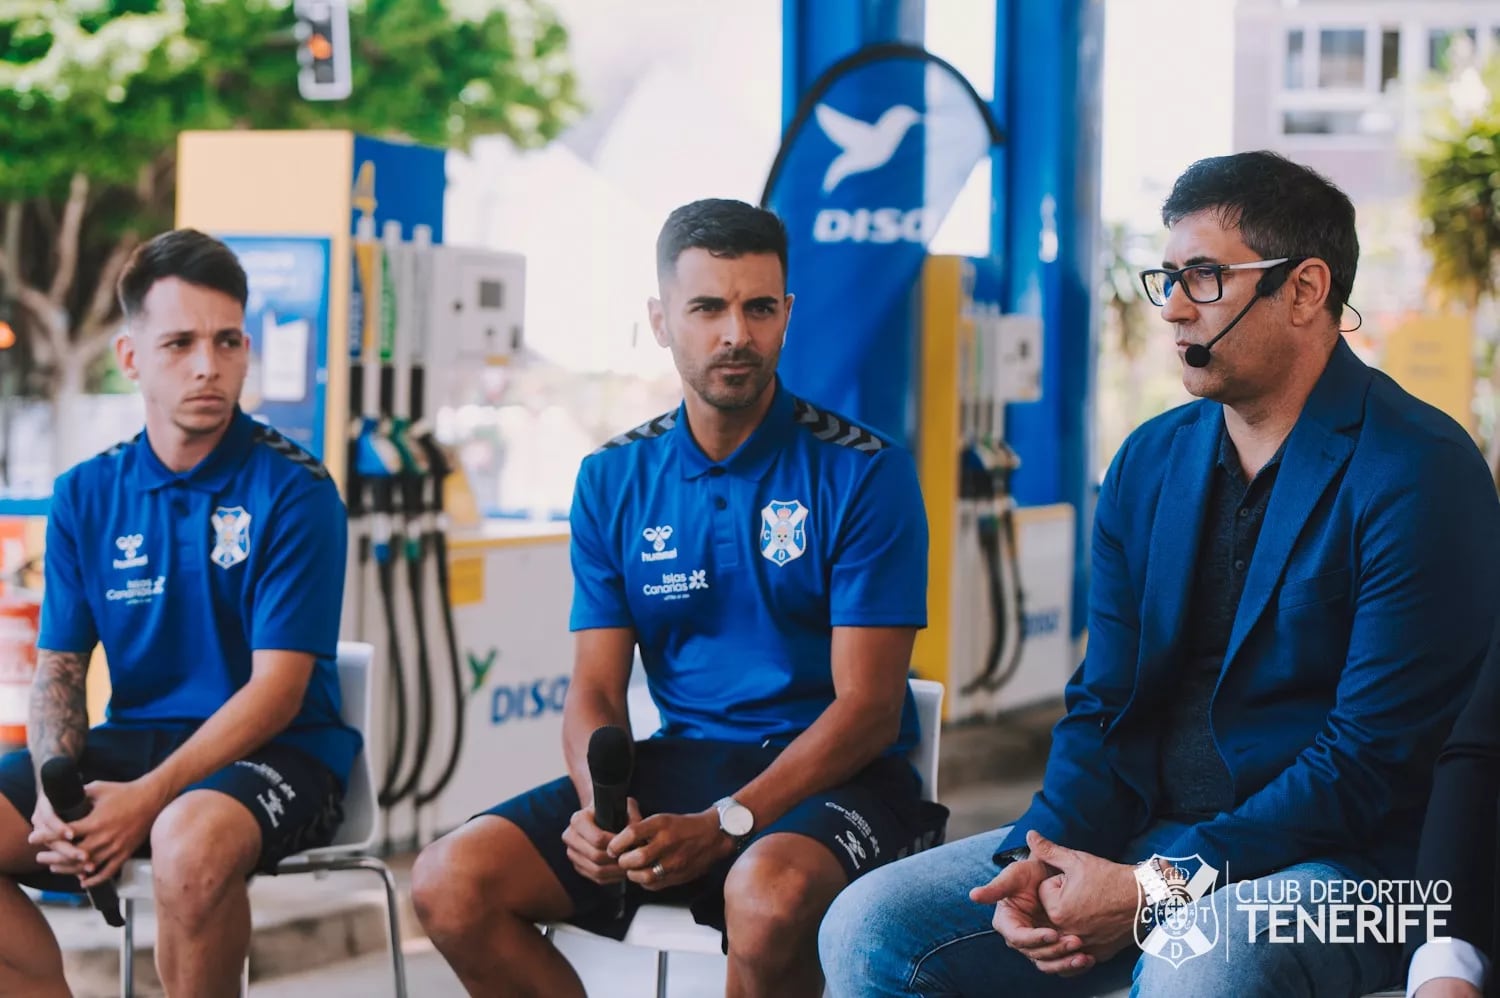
(1154, 887)
(735, 819)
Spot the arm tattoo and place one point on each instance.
(59, 707)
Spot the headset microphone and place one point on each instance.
(1198, 354)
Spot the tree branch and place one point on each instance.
(149, 179)
(10, 249)
(102, 305)
(67, 240)
(93, 342)
(51, 318)
(30, 298)
(42, 209)
(145, 182)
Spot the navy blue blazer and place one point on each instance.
(1367, 609)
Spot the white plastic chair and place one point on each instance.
(351, 848)
(670, 928)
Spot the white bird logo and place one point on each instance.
(865, 146)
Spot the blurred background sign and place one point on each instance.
(1432, 356)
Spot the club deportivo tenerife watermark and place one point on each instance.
(1176, 924)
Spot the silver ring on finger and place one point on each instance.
(658, 871)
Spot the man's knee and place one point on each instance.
(203, 846)
(851, 915)
(853, 924)
(1253, 972)
(17, 855)
(475, 876)
(1231, 966)
(774, 898)
(841, 926)
(446, 900)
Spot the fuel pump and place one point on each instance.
(999, 573)
(374, 464)
(399, 385)
(985, 468)
(439, 463)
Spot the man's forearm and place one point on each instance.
(844, 739)
(258, 712)
(58, 718)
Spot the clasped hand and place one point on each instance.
(1064, 910)
(656, 852)
(94, 847)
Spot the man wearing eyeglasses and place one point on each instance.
(1294, 581)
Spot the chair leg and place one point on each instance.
(392, 908)
(393, 926)
(661, 974)
(127, 949)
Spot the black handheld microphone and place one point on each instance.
(1198, 355)
(611, 762)
(64, 789)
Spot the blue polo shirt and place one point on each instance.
(184, 575)
(733, 574)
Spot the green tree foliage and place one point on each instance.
(1459, 203)
(94, 92)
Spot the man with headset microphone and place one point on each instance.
(1294, 580)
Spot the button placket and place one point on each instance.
(188, 552)
(726, 550)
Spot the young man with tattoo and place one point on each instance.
(207, 554)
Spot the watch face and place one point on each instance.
(736, 819)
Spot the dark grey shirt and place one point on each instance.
(1194, 781)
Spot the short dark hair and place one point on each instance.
(1281, 209)
(186, 254)
(724, 227)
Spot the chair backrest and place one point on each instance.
(356, 662)
(924, 758)
(645, 718)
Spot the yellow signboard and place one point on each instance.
(1432, 356)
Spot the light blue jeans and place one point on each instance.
(909, 928)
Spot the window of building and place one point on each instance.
(1444, 45)
(1334, 76)
(1390, 57)
(1322, 122)
(1296, 60)
(1341, 59)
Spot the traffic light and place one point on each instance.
(323, 49)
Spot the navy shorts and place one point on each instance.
(877, 817)
(295, 799)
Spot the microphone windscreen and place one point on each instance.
(62, 784)
(611, 755)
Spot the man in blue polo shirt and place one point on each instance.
(207, 554)
(769, 559)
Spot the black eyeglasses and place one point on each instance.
(1202, 283)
